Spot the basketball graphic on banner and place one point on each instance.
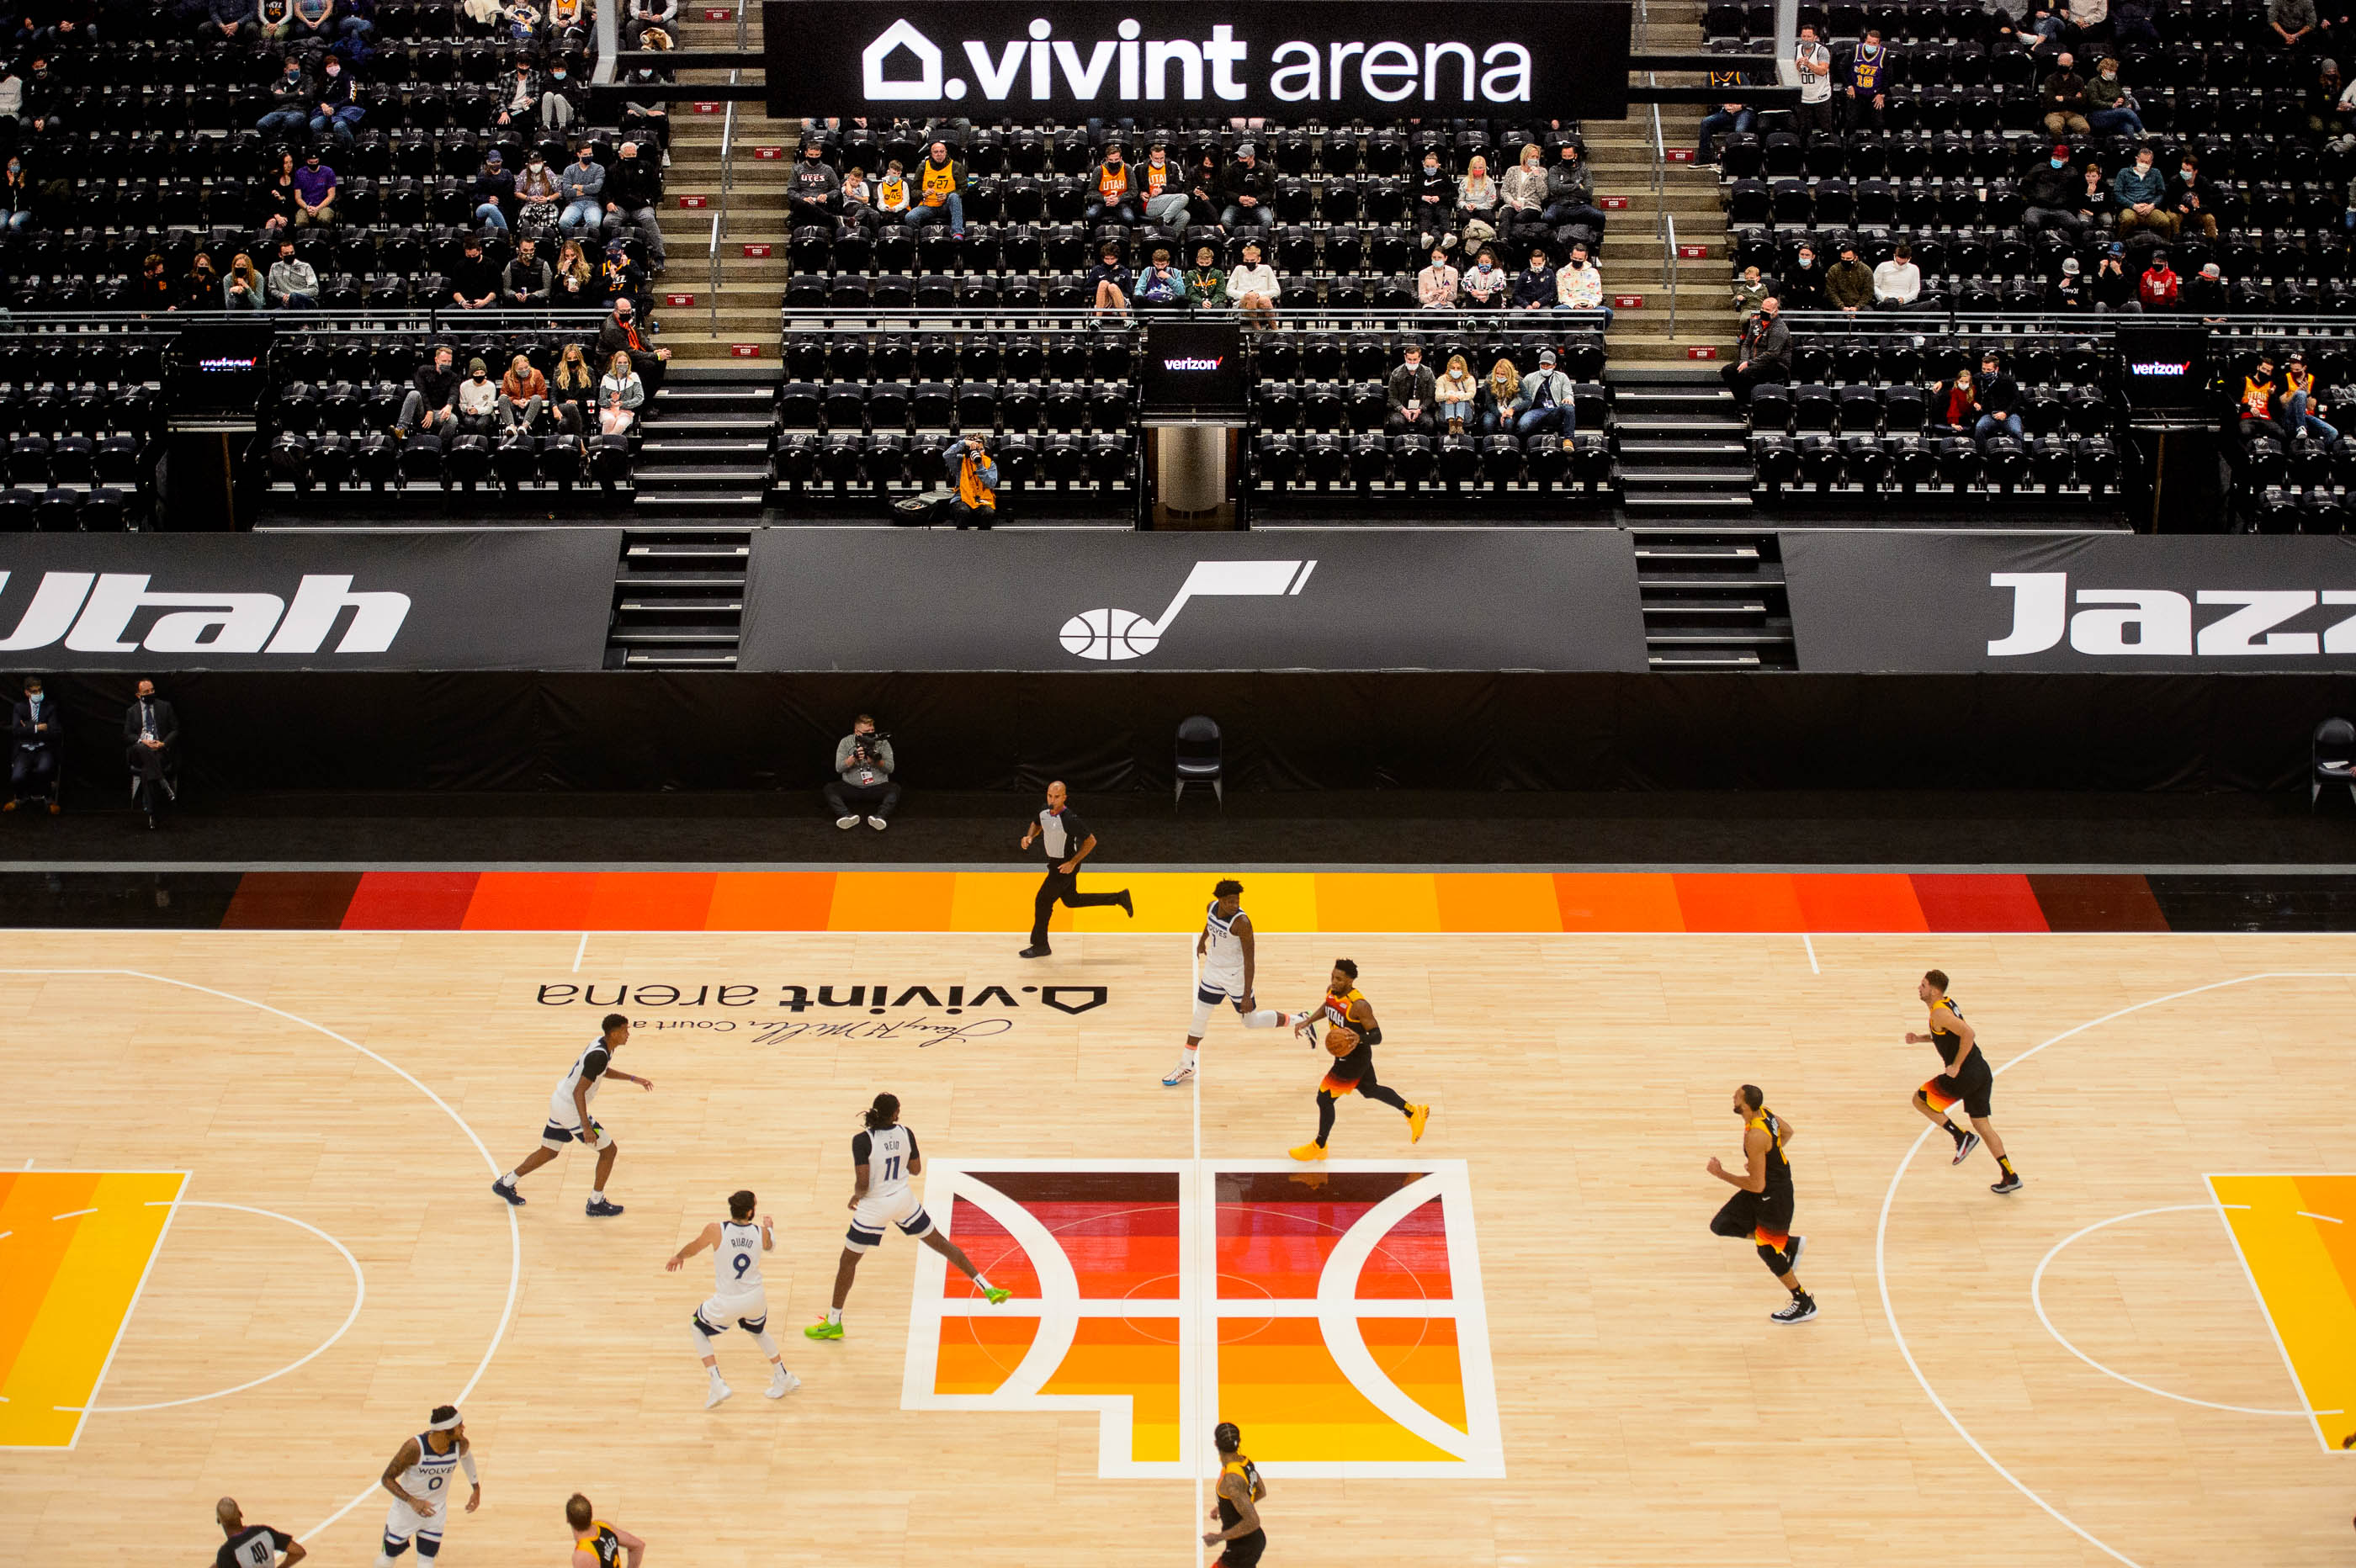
(1110, 634)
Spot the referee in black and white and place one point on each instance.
(1069, 842)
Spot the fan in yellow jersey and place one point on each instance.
(595, 1544)
(1235, 1502)
(1352, 1033)
(1760, 1208)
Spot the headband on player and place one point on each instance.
(443, 1425)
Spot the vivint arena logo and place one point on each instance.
(91, 612)
(1115, 635)
(1133, 68)
(2158, 621)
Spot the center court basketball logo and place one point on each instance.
(1335, 1313)
(1117, 635)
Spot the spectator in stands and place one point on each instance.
(474, 284)
(234, 20)
(2131, 25)
(1749, 290)
(2329, 103)
(1579, 284)
(2293, 22)
(2302, 410)
(1848, 285)
(1544, 402)
(278, 206)
(35, 726)
(2159, 287)
(1898, 282)
(2062, 95)
(1955, 404)
(2094, 204)
(17, 195)
(431, 404)
(620, 395)
(1485, 284)
(975, 504)
(1161, 285)
(1522, 197)
(314, 192)
(243, 288)
(523, 393)
(290, 102)
(1730, 115)
(1247, 190)
(494, 192)
(560, 97)
(573, 395)
(2110, 107)
(2139, 190)
(2113, 289)
(292, 283)
(622, 333)
(2204, 293)
(939, 179)
(2193, 199)
(858, 201)
(538, 199)
(526, 284)
(1868, 89)
(1109, 283)
(575, 281)
(1203, 196)
(1110, 187)
(1165, 196)
(2049, 195)
(1455, 393)
(333, 112)
(1436, 287)
(153, 291)
(1993, 399)
(2069, 290)
(1802, 286)
(2090, 21)
(317, 21)
(647, 119)
(1476, 202)
(200, 285)
(582, 184)
(644, 14)
(2257, 400)
(1571, 202)
(1435, 202)
(633, 186)
(1816, 70)
(1534, 286)
(1764, 353)
(892, 194)
(1498, 391)
(1207, 280)
(1253, 287)
(813, 192)
(519, 100)
(1411, 395)
(479, 401)
(569, 21)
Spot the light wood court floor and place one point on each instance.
(1646, 1410)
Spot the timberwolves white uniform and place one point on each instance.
(887, 1154)
(1223, 958)
(563, 1120)
(435, 1478)
(736, 1292)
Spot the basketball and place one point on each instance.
(1340, 1042)
(1110, 634)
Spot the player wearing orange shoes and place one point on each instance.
(1351, 1035)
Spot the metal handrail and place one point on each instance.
(1669, 266)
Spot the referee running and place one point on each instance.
(1069, 842)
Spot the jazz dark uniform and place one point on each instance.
(601, 1542)
(1765, 1216)
(1354, 1074)
(1975, 1085)
(1244, 1550)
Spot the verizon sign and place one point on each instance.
(1541, 58)
(534, 599)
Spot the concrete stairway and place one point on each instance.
(1682, 452)
(750, 288)
(705, 453)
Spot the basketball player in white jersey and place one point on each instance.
(737, 1247)
(253, 1545)
(885, 1156)
(1224, 956)
(569, 1119)
(419, 1479)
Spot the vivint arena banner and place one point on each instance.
(533, 599)
(1913, 602)
(1312, 599)
(1525, 60)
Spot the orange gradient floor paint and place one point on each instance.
(2298, 1238)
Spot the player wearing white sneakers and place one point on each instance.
(737, 1247)
(569, 1120)
(885, 1156)
(419, 1479)
(1225, 958)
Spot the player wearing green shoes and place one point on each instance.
(885, 1156)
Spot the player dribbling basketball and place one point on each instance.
(1351, 1035)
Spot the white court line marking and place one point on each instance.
(71, 1214)
(1811, 946)
(359, 1297)
(2302, 1214)
(515, 1232)
(579, 951)
(1882, 1252)
(1191, 1259)
(2037, 1300)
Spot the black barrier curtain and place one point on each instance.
(705, 731)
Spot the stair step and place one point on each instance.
(686, 553)
(673, 478)
(1703, 502)
(692, 444)
(680, 637)
(1699, 659)
(1680, 449)
(1697, 477)
(1697, 552)
(1730, 607)
(669, 660)
(677, 607)
(703, 501)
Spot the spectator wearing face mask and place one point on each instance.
(1848, 286)
(479, 401)
(2063, 96)
(334, 114)
(1499, 388)
(1456, 392)
(813, 192)
(622, 333)
(314, 192)
(1570, 198)
(526, 284)
(1245, 189)
(2113, 288)
(560, 97)
(2049, 196)
(290, 102)
(2204, 293)
(539, 196)
(1522, 197)
(1543, 405)
(891, 194)
(1109, 283)
(1749, 290)
(1436, 287)
(1165, 198)
(1485, 284)
(1434, 201)
(1815, 64)
(1112, 190)
(474, 283)
(2193, 199)
(632, 187)
(1898, 282)
(523, 392)
(1160, 284)
(2159, 288)
(1802, 286)
(494, 192)
(2110, 107)
(1476, 199)
(2140, 194)
(292, 283)
(1579, 285)
(1253, 287)
(2069, 291)
(1533, 287)
(1993, 399)
(582, 186)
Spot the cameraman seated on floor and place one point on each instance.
(863, 758)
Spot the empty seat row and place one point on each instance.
(1858, 357)
(846, 457)
(1367, 459)
(1859, 410)
(969, 405)
(335, 459)
(62, 509)
(1956, 462)
(116, 460)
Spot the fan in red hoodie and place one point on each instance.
(2158, 288)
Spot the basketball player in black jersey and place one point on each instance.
(1967, 1078)
(253, 1545)
(1760, 1208)
(1352, 1032)
(1238, 1493)
(595, 1544)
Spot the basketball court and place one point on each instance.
(246, 1243)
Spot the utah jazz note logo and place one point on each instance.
(1335, 1313)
